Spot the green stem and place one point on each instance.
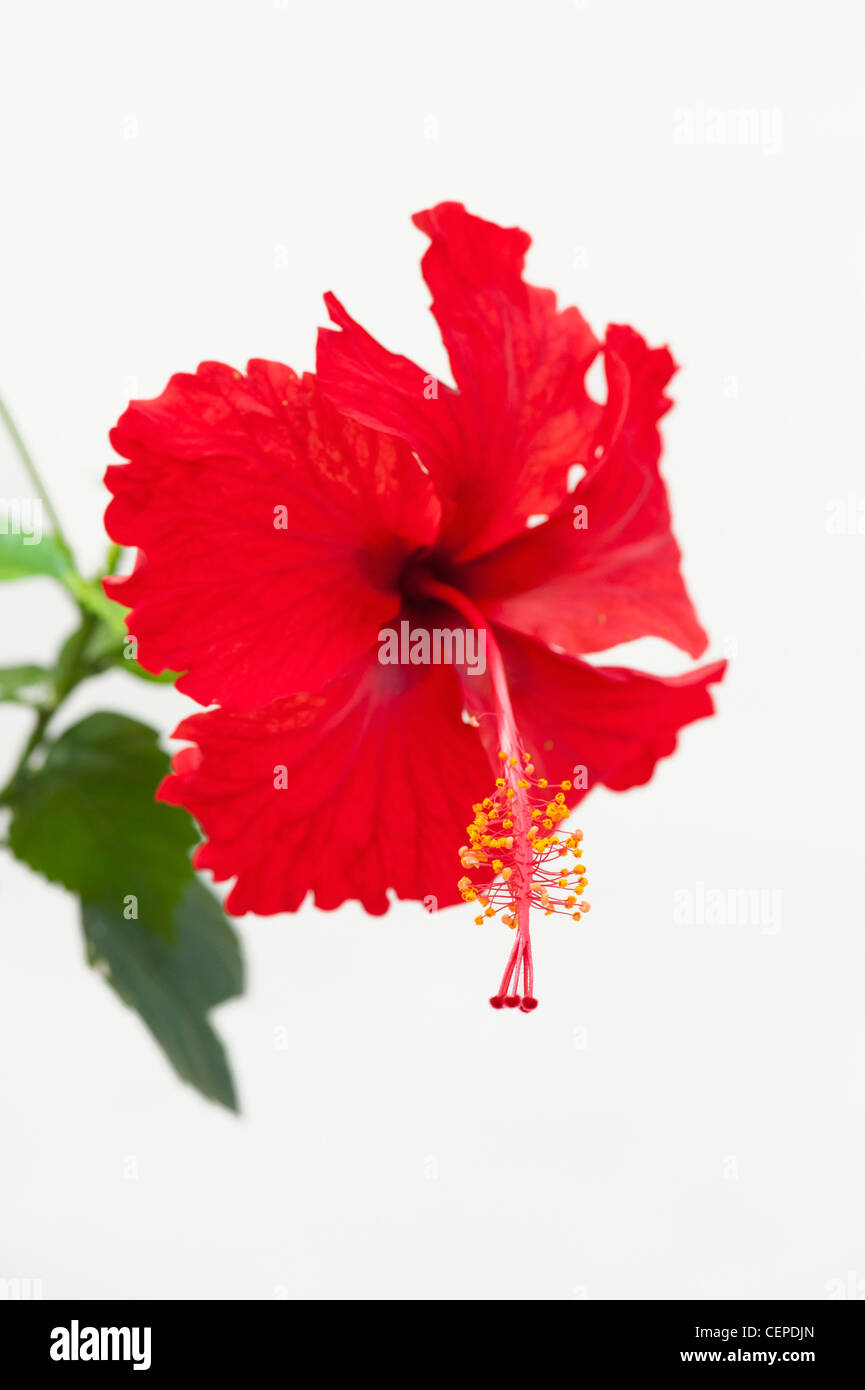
(73, 672)
(33, 473)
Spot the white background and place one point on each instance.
(682, 1117)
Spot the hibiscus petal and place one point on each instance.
(500, 448)
(271, 532)
(391, 393)
(520, 366)
(614, 722)
(586, 588)
(362, 787)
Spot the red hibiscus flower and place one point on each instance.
(284, 524)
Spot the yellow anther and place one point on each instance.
(490, 845)
(501, 755)
(479, 921)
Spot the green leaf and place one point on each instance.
(172, 986)
(90, 594)
(107, 649)
(109, 643)
(21, 558)
(87, 819)
(25, 685)
(164, 677)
